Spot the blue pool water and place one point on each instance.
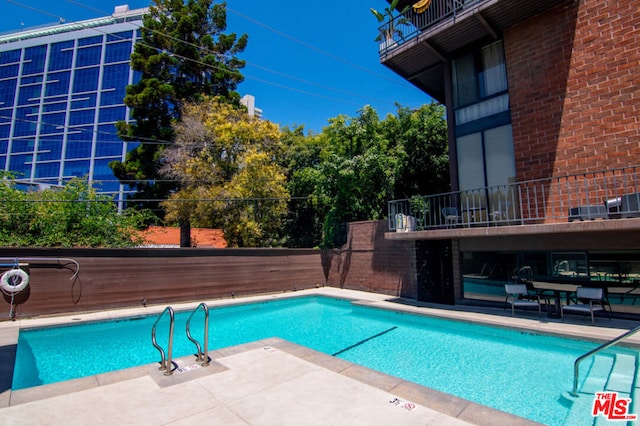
(524, 374)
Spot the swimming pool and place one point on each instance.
(520, 373)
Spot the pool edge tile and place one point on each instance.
(482, 415)
(22, 396)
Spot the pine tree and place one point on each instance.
(183, 55)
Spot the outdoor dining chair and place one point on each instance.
(519, 297)
(590, 300)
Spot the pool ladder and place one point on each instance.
(202, 356)
(165, 361)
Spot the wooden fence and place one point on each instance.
(117, 278)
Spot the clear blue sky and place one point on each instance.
(306, 61)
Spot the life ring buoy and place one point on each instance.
(14, 280)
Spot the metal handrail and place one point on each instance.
(165, 361)
(17, 260)
(576, 364)
(601, 194)
(203, 355)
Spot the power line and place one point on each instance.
(334, 57)
(314, 48)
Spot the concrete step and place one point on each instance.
(622, 374)
(607, 372)
(597, 374)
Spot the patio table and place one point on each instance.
(557, 290)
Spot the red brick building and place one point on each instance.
(543, 109)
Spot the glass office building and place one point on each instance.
(61, 93)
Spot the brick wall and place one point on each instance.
(368, 262)
(574, 88)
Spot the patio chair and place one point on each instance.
(590, 300)
(451, 216)
(519, 297)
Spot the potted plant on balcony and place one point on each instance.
(390, 30)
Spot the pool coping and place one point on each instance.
(445, 403)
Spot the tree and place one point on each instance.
(72, 216)
(359, 163)
(300, 158)
(225, 162)
(422, 133)
(183, 55)
(357, 174)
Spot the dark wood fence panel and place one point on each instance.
(126, 278)
(118, 278)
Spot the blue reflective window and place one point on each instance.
(79, 143)
(88, 41)
(58, 106)
(32, 79)
(50, 148)
(86, 80)
(137, 76)
(29, 94)
(112, 97)
(10, 56)
(107, 142)
(52, 123)
(76, 168)
(4, 131)
(3, 159)
(26, 121)
(124, 35)
(115, 76)
(88, 56)
(34, 60)
(118, 52)
(5, 116)
(85, 100)
(7, 92)
(21, 164)
(57, 83)
(57, 98)
(4, 146)
(114, 83)
(22, 145)
(61, 56)
(103, 174)
(113, 114)
(45, 170)
(83, 116)
(7, 71)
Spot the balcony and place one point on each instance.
(423, 42)
(596, 201)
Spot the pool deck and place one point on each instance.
(266, 382)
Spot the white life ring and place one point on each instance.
(9, 278)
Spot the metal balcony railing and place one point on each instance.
(408, 25)
(606, 194)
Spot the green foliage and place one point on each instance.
(183, 56)
(388, 13)
(357, 164)
(300, 158)
(423, 135)
(73, 216)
